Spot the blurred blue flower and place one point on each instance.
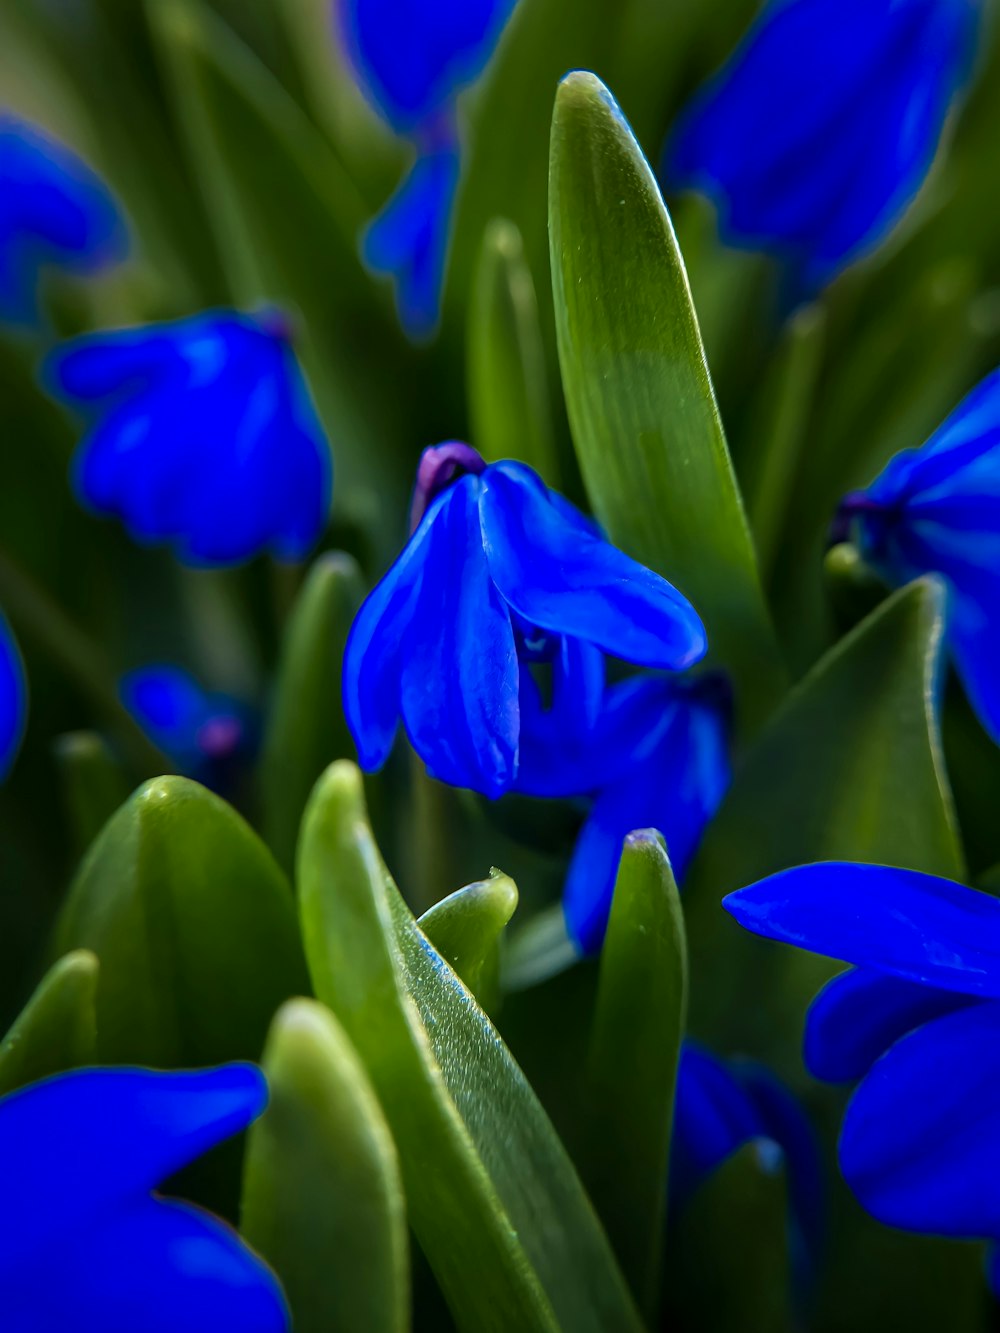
(53, 211)
(820, 129)
(917, 1020)
(411, 61)
(202, 435)
(936, 509)
(84, 1242)
(651, 752)
(499, 571)
(208, 736)
(13, 698)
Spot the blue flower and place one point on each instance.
(819, 131)
(13, 698)
(411, 61)
(208, 736)
(936, 509)
(917, 1020)
(53, 210)
(499, 571)
(202, 435)
(651, 752)
(84, 1242)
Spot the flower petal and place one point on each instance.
(13, 698)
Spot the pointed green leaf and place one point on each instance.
(641, 405)
(322, 1196)
(508, 395)
(466, 927)
(635, 1045)
(306, 728)
(56, 1029)
(194, 926)
(93, 782)
(492, 1196)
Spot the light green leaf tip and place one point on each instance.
(57, 1028)
(466, 928)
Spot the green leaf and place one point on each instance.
(306, 729)
(194, 925)
(492, 1196)
(541, 949)
(93, 783)
(322, 1195)
(466, 927)
(641, 405)
(508, 395)
(635, 1045)
(56, 1029)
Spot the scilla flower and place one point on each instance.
(202, 435)
(53, 211)
(411, 61)
(499, 571)
(822, 126)
(85, 1244)
(937, 510)
(13, 699)
(917, 1021)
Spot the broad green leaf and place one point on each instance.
(194, 926)
(492, 1196)
(322, 1195)
(635, 1045)
(850, 768)
(641, 405)
(508, 395)
(466, 927)
(306, 728)
(56, 1029)
(94, 785)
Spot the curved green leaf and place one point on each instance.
(641, 404)
(57, 1028)
(492, 1196)
(466, 927)
(322, 1196)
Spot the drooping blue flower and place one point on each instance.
(53, 211)
(499, 570)
(411, 61)
(936, 509)
(917, 1020)
(650, 752)
(13, 698)
(818, 132)
(202, 435)
(207, 735)
(85, 1244)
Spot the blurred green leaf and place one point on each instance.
(56, 1029)
(641, 405)
(194, 926)
(492, 1196)
(635, 1045)
(306, 728)
(322, 1196)
(541, 949)
(94, 784)
(466, 928)
(508, 395)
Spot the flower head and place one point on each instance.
(936, 509)
(820, 129)
(13, 698)
(499, 571)
(202, 435)
(53, 211)
(84, 1151)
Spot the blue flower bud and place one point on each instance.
(202, 435)
(53, 211)
(818, 132)
(85, 1243)
(13, 698)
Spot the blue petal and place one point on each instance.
(920, 1143)
(168, 704)
(558, 755)
(593, 868)
(713, 1117)
(910, 925)
(556, 574)
(13, 699)
(151, 1266)
(409, 239)
(459, 685)
(858, 1015)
